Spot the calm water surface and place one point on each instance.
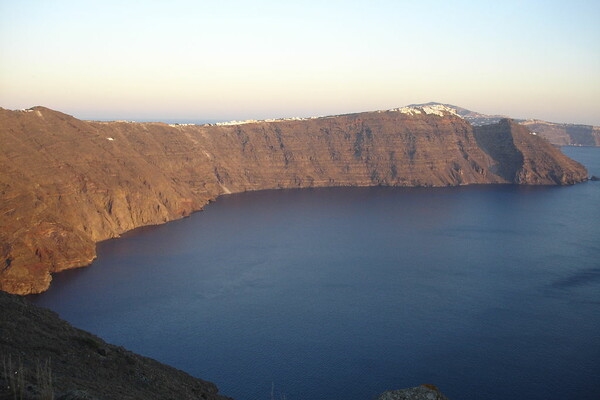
(489, 292)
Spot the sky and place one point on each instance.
(181, 60)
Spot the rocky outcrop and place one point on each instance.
(423, 392)
(44, 357)
(67, 184)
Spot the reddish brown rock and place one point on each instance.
(67, 184)
(559, 134)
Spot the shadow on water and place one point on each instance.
(578, 278)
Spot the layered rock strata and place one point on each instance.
(44, 357)
(565, 134)
(66, 184)
(559, 134)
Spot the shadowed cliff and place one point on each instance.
(559, 134)
(523, 158)
(67, 184)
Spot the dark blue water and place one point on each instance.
(489, 292)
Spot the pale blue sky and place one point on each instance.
(155, 60)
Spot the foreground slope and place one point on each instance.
(559, 134)
(67, 184)
(565, 134)
(43, 355)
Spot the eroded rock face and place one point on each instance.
(67, 184)
(559, 134)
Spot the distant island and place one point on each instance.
(68, 184)
(557, 133)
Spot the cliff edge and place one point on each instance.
(67, 184)
(423, 392)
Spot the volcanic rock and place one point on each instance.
(66, 184)
(559, 134)
(45, 357)
(423, 392)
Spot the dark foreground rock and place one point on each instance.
(44, 357)
(66, 184)
(423, 392)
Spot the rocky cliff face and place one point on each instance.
(67, 184)
(518, 159)
(558, 134)
(44, 357)
(423, 392)
(565, 134)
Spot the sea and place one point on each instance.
(488, 292)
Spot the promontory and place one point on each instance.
(66, 184)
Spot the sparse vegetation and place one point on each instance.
(45, 358)
(13, 377)
(20, 382)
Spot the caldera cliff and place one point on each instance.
(67, 184)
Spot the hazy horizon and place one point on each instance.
(205, 121)
(191, 61)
